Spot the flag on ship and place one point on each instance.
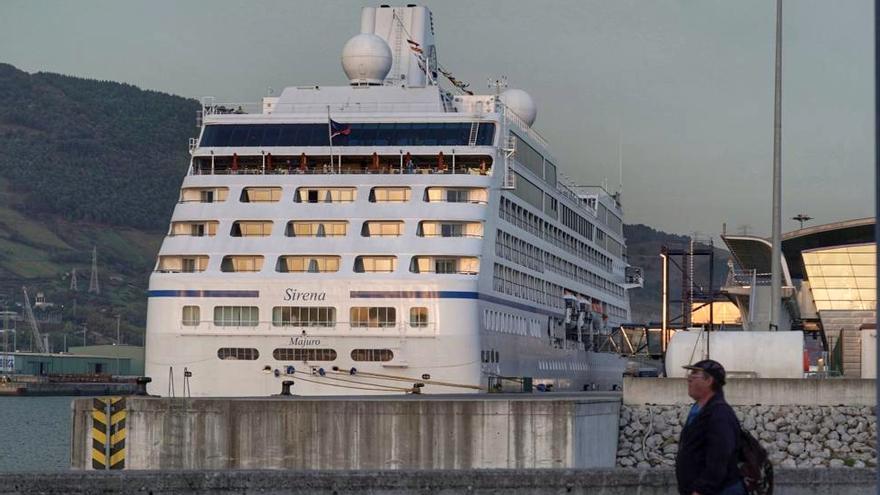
(337, 129)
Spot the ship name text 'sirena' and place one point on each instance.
(389, 236)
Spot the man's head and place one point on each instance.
(705, 378)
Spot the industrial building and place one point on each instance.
(829, 291)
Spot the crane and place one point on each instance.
(35, 329)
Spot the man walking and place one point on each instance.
(707, 449)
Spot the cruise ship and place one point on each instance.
(400, 234)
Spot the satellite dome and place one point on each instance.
(366, 59)
(522, 104)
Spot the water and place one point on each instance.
(35, 433)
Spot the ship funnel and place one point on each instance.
(410, 31)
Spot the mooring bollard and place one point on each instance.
(285, 387)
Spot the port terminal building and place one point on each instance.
(829, 292)
(117, 360)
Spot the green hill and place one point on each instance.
(86, 163)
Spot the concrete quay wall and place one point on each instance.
(400, 482)
(754, 391)
(430, 432)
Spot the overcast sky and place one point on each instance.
(684, 85)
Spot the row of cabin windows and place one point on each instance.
(306, 316)
(392, 194)
(466, 265)
(360, 134)
(329, 228)
(293, 354)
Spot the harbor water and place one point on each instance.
(35, 433)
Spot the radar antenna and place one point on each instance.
(499, 84)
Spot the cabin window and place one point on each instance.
(373, 317)
(303, 316)
(238, 354)
(381, 355)
(182, 263)
(316, 229)
(191, 316)
(450, 229)
(463, 265)
(375, 264)
(382, 228)
(195, 229)
(308, 264)
(203, 194)
(251, 228)
(292, 354)
(325, 195)
(241, 263)
(456, 195)
(236, 316)
(389, 194)
(418, 317)
(260, 194)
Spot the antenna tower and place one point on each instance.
(73, 285)
(94, 287)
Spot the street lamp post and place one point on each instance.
(776, 252)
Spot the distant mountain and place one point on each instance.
(88, 163)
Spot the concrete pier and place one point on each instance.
(404, 482)
(414, 432)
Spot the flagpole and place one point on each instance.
(330, 137)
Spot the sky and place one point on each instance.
(678, 94)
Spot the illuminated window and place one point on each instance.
(456, 195)
(195, 229)
(418, 317)
(325, 195)
(203, 194)
(843, 278)
(382, 228)
(242, 263)
(182, 263)
(308, 264)
(375, 264)
(251, 228)
(316, 229)
(373, 317)
(389, 194)
(303, 316)
(236, 316)
(191, 316)
(450, 229)
(466, 265)
(260, 194)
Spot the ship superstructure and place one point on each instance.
(388, 236)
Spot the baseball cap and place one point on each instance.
(711, 368)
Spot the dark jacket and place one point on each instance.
(706, 460)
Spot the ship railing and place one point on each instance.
(390, 329)
(210, 108)
(747, 278)
(513, 117)
(343, 171)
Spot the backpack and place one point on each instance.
(754, 465)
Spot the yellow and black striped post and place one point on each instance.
(108, 433)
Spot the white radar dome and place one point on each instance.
(521, 103)
(366, 59)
